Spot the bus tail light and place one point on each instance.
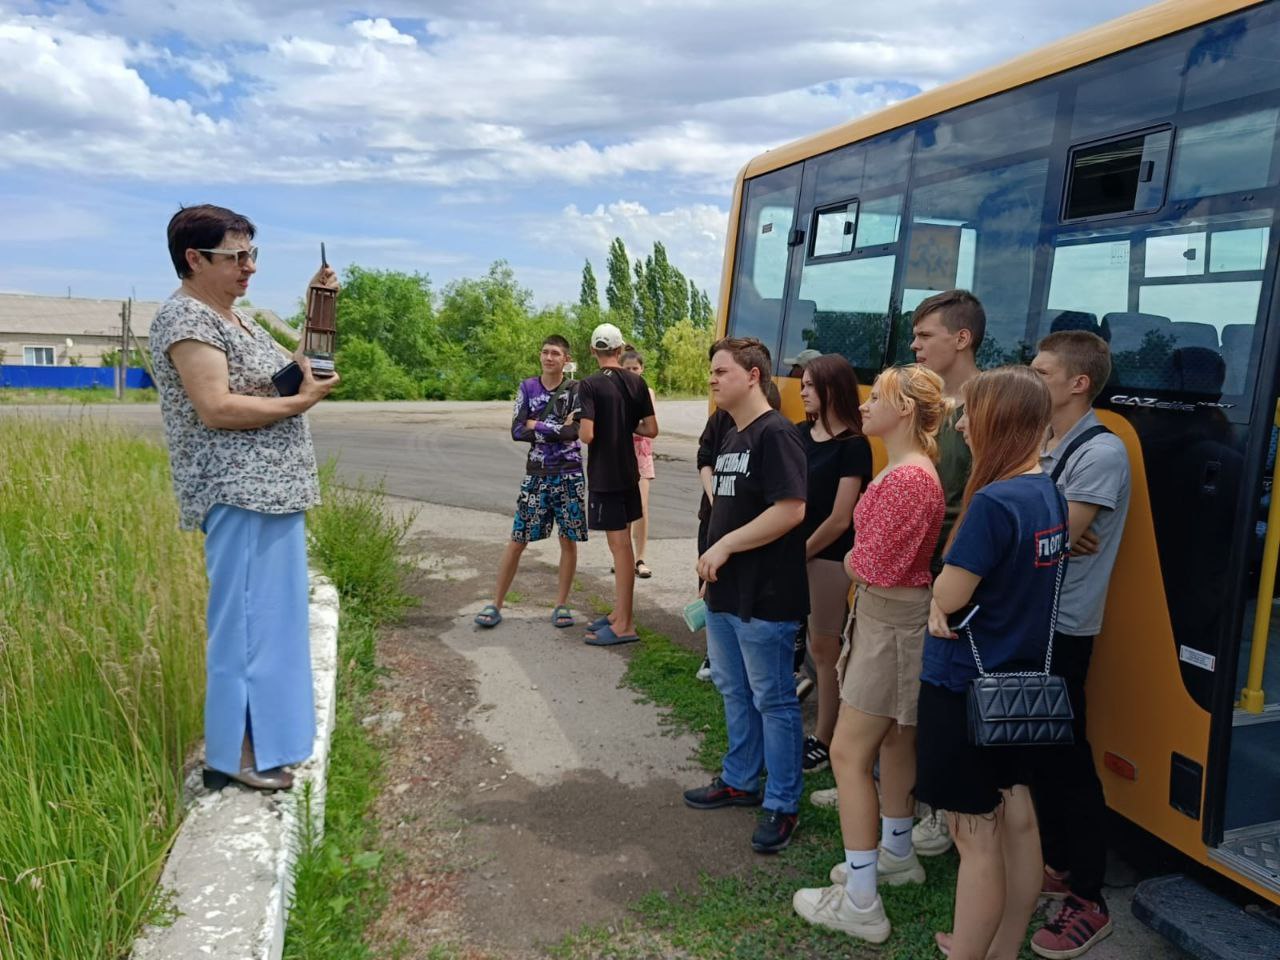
(1120, 766)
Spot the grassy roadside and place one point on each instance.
(750, 916)
(101, 684)
(95, 395)
(338, 885)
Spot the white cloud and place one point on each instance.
(380, 28)
(694, 235)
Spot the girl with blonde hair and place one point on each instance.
(896, 525)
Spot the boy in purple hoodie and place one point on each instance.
(553, 491)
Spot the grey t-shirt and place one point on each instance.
(1098, 473)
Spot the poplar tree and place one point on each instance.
(619, 293)
(589, 295)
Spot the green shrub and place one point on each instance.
(369, 374)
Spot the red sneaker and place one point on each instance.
(1078, 926)
(1054, 886)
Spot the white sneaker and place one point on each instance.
(825, 798)
(930, 836)
(831, 907)
(704, 671)
(895, 871)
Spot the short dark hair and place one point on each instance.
(1081, 352)
(203, 227)
(630, 353)
(747, 352)
(958, 310)
(555, 340)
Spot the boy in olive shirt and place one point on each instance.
(947, 331)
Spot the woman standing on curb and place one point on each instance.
(839, 469)
(244, 471)
(896, 526)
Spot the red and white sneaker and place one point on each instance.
(1054, 886)
(1077, 928)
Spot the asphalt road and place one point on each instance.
(456, 454)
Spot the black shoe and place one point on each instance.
(720, 794)
(773, 831)
(816, 755)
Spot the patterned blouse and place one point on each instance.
(269, 469)
(896, 525)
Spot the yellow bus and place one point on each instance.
(1123, 181)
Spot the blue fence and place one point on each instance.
(69, 378)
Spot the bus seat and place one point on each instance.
(1189, 334)
(1060, 320)
(1126, 330)
(1237, 338)
(1198, 370)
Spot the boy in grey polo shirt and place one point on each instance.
(1090, 466)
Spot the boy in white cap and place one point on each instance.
(615, 404)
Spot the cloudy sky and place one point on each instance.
(439, 136)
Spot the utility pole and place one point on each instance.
(124, 350)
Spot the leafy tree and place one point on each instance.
(619, 293)
(369, 373)
(589, 295)
(685, 347)
(391, 309)
(646, 312)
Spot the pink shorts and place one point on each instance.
(644, 457)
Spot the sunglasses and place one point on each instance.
(243, 257)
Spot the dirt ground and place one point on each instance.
(526, 794)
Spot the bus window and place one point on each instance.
(833, 230)
(1224, 155)
(1233, 59)
(1185, 323)
(843, 307)
(978, 232)
(1150, 83)
(760, 271)
(980, 133)
(1117, 177)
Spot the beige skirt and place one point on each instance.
(879, 666)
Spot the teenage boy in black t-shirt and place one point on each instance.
(615, 404)
(756, 594)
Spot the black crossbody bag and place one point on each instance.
(1021, 709)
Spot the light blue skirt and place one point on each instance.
(259, 655)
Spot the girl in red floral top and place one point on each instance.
(896, 525)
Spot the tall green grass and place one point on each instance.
(339, 888)
(101, 684)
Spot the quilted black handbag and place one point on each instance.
(1020, 709)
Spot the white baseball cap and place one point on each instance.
(607, 337)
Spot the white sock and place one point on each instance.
(895, 835)
(860, 880)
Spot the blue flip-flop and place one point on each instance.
(595, 625)
(605, 637)
(489, 616)
(562, 617)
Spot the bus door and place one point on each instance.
(1184, 304)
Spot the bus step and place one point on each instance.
(1202, 923)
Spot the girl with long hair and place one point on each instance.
(839, 458)
(896, 526)
(1003, 558)
(633, 361)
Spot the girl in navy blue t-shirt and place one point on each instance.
(1003, 556)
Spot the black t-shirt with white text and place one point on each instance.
(754, 469)
(615, 400)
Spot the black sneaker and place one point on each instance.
(720, 794)
(773, 831)
(816, 755)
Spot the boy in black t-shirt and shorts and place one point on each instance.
(615, 405)
(756, 593)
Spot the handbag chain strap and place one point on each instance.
(1053, 617)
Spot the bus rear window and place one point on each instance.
(1119, 176)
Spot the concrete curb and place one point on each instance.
(230, 870)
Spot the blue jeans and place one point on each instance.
(751, 665)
